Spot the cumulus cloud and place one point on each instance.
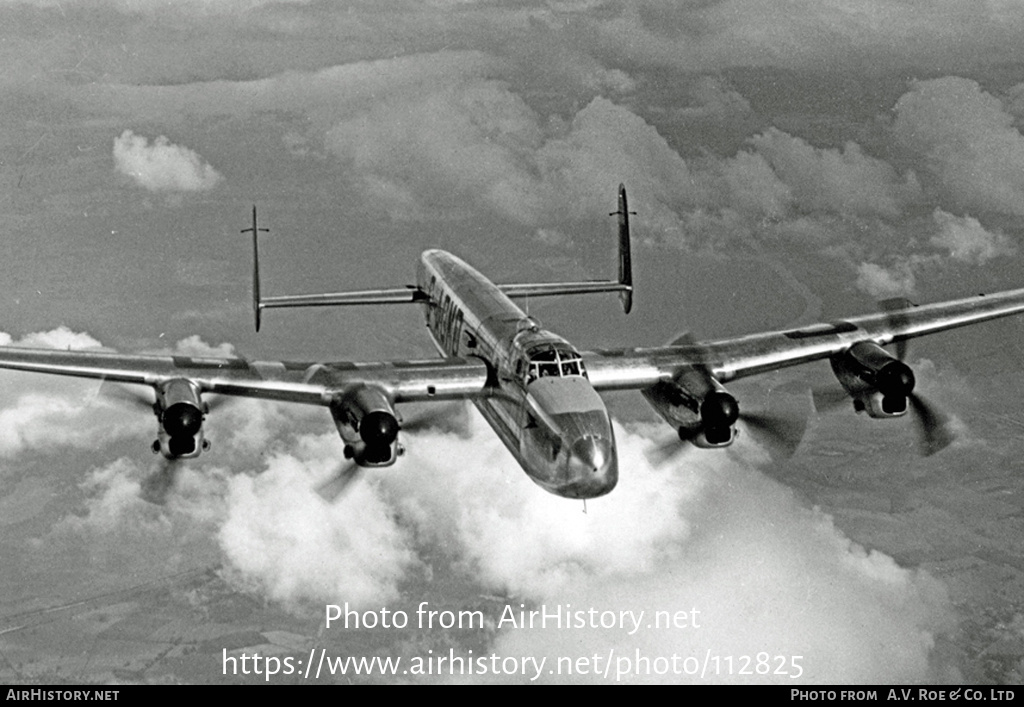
(967, 240)
(749, 185)
(478, 145)
(766, 576)
(47, 411)
(162, 166)
(714, 100)
(964, 143)
(701, 532)
(846, 181)
(283, 538)
(114, 528)
(881, 282)
(962, 238)
(60, 338)
(706, 532)
(195, 346)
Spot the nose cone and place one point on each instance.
(592, 467)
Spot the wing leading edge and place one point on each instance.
(729, 359)
(309, 383)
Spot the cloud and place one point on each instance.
(53, 411)
(115, 529)
(714, 100)
(846, 181)
(964, 145)
(478, 146)
(881, 282)
(282, 538)
(60, 338)
(748, 184)
(707, 531)
(201, 7)
(967, 240)
(868, 34)
(162, 167)
(963, 238)
(195, 346)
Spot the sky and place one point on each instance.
(790, 161)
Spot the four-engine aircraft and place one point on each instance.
(537, 391)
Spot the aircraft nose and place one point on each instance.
(592, 467)
(590, 455)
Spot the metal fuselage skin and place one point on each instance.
(556, 426)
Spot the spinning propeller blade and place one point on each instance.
(133, 396)
(934, 433)
(158, 486)
(339, 482)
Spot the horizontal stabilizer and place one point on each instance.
(397, 295)
(411, 293)
(543, 289)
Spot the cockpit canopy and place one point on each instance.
(552, 360)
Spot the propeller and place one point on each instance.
(158, 486)
(933, 430)
(132, 396)
(780, 431)
(339, 482)
(451, 419)
(828, 399)
(896, 379)
(665, 451)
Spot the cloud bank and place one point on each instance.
(706, 532)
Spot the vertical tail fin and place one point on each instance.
(255, 230)
(625, 260)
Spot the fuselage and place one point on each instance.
(540, 402)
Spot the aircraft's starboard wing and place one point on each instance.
(728, 359)
(310, 383)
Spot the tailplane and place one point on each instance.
(259, 303)
(623, 285)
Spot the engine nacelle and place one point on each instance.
(181, 411)
(878, 382)
(367, 422)
(698, 406)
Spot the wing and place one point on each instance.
(310, 383)
(729, 359)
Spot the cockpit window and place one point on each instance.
(549, 361)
